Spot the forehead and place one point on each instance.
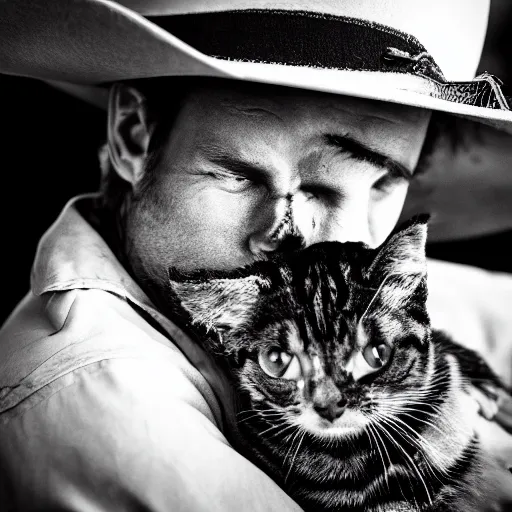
(284, 102)
(294, 120)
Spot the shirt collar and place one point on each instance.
(72, 254)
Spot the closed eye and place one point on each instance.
(235, 175)
(238, 167)
(230, 182)
(388, 181)
(327, 194)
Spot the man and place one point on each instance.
(105, 404)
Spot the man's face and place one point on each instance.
(242, 169)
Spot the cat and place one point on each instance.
(346, 396)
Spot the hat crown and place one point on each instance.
(452, 31)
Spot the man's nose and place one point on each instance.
(290, 223)
(278, 231)
(264, 239)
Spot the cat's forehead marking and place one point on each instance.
(316, 363)
(295, 342)
(413, 328)
(389, 326)
(362, 337)
(393, 325)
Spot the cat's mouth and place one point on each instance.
(352, 422)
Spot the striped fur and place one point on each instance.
(404, 439)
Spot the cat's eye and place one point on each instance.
(377, 354)
(374, 356)
(277, 363)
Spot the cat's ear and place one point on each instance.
(222, 303)
(401, 263)
(404, 252)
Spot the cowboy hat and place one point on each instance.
(419, 53)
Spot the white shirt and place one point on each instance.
(106, 405)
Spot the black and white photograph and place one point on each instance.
(256, 256)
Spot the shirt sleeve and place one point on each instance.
(126, 435)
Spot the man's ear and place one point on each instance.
(223, 303)
(128, 132)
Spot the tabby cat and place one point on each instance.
(346, 397)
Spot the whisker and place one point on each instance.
(404, 410)
(404, 401)
(420, 437)
(273, 427)
(423, 421)
(374, 433)
(417, 444)
(442, 457)
(386, 476)
(290, 435)
(411, 461)
(295, 435)
(294, 456)
(396, 403)
(260, 411)
(264, 416)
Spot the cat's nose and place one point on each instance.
(332, 410)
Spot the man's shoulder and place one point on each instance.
(105, 433)
(107, 417)
(51, 336)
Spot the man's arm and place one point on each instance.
(124, 435)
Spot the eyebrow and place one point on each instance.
(233, 163)
(362, 152)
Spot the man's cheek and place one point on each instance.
(384, 214)
(214, 228)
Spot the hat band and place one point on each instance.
(300, 38)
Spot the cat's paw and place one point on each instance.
(494, 404)
(504, 414)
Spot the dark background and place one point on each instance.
(49, 155)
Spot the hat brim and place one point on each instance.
(389, 87)
(112, 43)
